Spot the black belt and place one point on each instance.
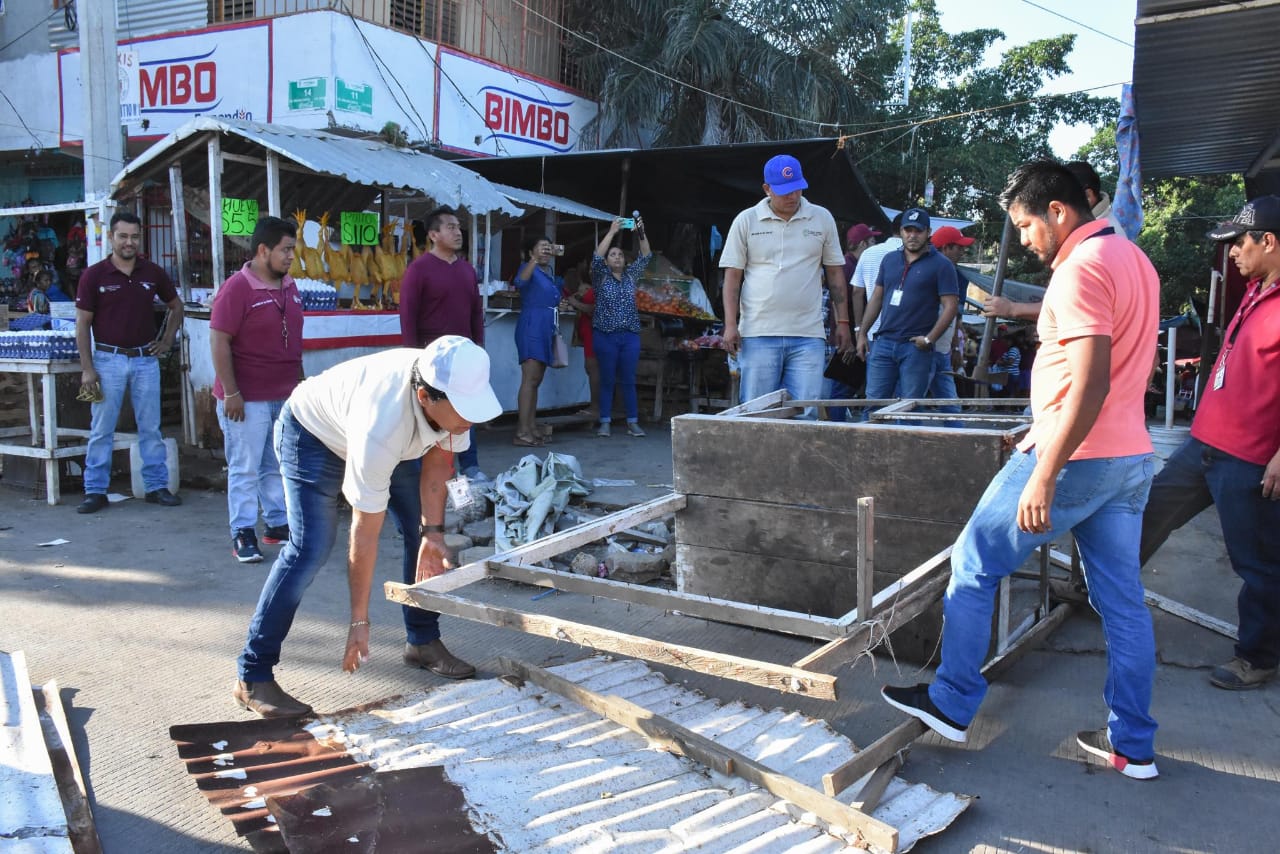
(131, 352)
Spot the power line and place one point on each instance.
(28, 32)
(34, 138)
(378, 65)
(1079, 23)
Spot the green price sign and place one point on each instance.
(352, 97)
(359, 228)
(239, 216)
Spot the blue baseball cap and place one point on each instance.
(916, 218)
(783, 175)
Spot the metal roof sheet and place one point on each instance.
(363, 162)
(1205, 80)
(541, 774)
(546, 201)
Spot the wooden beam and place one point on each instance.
(870, 794)
(779, 677)
(866, 559)
(557, 543)
(181, 248)
(273, 183)
(215, 211)
(685, 742)
(1164, 603)
(767, 401)
(81, 829)
(883, 749)
(706, 607)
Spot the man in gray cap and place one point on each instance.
(381, 432)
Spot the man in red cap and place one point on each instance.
(948, 354)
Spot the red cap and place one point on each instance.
(859, 233)
(947, 235)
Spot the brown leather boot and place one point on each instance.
(268, 699)
(434, 657)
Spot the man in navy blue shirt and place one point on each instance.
(917, 293)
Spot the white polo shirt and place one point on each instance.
(864, 275)
(366, 412)
(782, 263)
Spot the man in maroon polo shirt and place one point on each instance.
(115, 301)
(439, 296)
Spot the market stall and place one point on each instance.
(355, 200)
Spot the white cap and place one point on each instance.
(460, 368)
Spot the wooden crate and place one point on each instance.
(771, 508)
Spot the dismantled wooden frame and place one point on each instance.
(849, 636)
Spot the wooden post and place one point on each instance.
(273, 184)
(989, 328)
(215, 210)
(866, 558)
(178, 204)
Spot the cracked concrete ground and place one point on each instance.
(139, 619)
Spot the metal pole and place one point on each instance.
(1170, 377)
(997, 288)
(215, 209)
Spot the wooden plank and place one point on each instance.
(766, 401)
(873, 790)
(1164, 603)
(866, 559)
(705, 607)
(892, 608)
(883, 748)
(684, 741)
(779, 677)
(559, 542)
(81, 828)
(811, 464)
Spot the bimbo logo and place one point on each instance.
(182, 84)
(510, 115)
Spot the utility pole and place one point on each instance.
(100, 84)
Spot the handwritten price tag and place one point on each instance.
(360, 228)
(239, 216)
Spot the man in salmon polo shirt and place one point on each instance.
(255, 332)
(1085, 466)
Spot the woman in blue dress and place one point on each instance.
(615, 324)
(535, 333)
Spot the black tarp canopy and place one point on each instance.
(703, 185)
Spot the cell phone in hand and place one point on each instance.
(557, 249)
(626, 222)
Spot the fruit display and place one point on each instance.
(669, 295)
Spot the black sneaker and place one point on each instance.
(915, 702)
(1098, 742)
(244, 545)
(275, 535)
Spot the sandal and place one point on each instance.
(525, 442)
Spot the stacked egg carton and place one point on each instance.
(38, 344)
(317, 296)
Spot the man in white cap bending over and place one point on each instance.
(380, 431)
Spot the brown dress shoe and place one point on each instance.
(268, 699)
(434, 657)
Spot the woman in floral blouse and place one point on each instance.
(615, 324)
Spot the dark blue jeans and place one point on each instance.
(618, 354)
(313, 488)
(1196, 476)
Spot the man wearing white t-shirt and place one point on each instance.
(380, 431)
(775, 256)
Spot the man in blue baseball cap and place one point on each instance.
(776, 257)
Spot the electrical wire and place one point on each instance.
(378, 64)
(29, 31)
(498, 146)
(1079, 23)
(39, 145)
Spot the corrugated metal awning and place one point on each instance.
(360, 162)
(546, 201)
(1205, 77)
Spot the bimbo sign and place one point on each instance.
(223, 73)
(488, 109)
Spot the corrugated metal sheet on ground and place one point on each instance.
(538, 773)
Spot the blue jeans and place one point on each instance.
(898, 369)
(1100, 501)
(141, 376)
(836, 390)
(617, 353)
(253, 472)
(1196, 476)
(770, 362)
(943, 386)
(313, 487)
